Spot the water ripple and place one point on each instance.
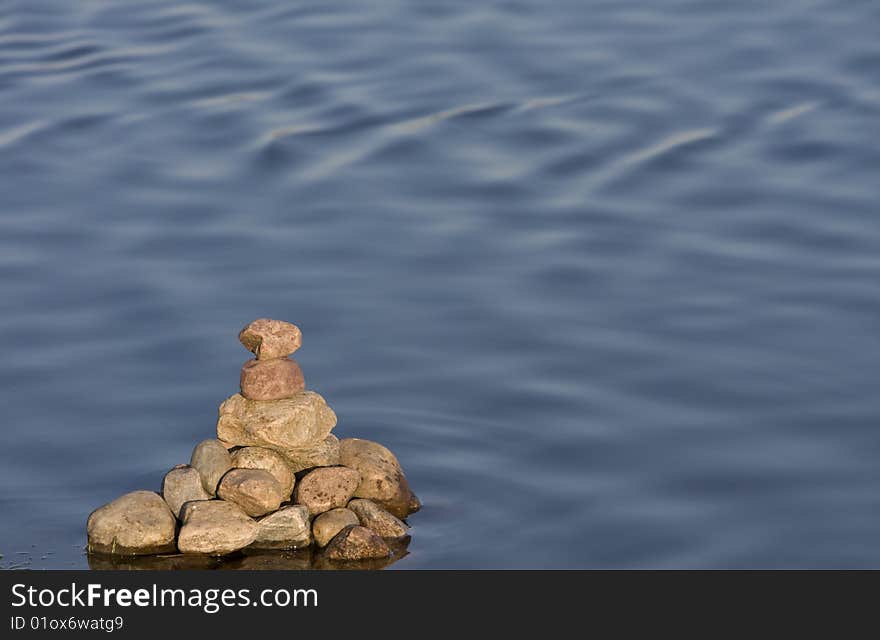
(605, 278)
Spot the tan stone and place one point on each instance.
(268, 460)
(269, 339)
(357, 543)
(254, 490)
(326, 488)
(382, 479)
(328, 524)
(181, 485)
(287, 528)
(211, 459)
(271, 379)
(289, 423)
(215, 527)
(377, 520)
(136, 523)
(323, 454)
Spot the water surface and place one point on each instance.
(605, 275)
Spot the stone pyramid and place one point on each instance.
(275, 477)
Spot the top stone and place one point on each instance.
(269, 339)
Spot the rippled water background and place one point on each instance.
(604, 275)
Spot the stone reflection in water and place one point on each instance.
(248, 560)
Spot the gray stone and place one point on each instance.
(326, 488)
(328, 524)
(254, 490)
(181, 485)
(211, 459)
(290, 423)
(215, 527)
(382, 479)
(287, 528)
(322, 454)
(377, 520)
(268, 460)
(136, 523)
(357, 543)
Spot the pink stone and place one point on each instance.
(269, 339)
(271, 379)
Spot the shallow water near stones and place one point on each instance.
(255, 560)
(605, 277)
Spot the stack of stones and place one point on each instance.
(274, 478)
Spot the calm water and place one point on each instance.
(604, 275)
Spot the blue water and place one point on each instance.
(605, 275)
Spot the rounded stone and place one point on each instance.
(269, 339)
(326, 488)
(290, 423)
(181, 485)
(382, 479)
(287, 528)
(215, 527)
(211, 459)
(137, 523)
(271, 379)
(254, 490)
(357, 543)
(267, 460)
(377, 520)
(328, 524)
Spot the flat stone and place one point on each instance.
(322, 454)
(137, 523)
(357, 543)
(287, 528)
(211, 459)
(269, 339)
(181, 485)
(215, 527)
(328, 524)
(267, 460)
(326, 488)
(289, 423)
(254, 490)
(271, 379)
(382, 479)
(377, 520)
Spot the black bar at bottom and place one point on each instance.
(148, 603)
